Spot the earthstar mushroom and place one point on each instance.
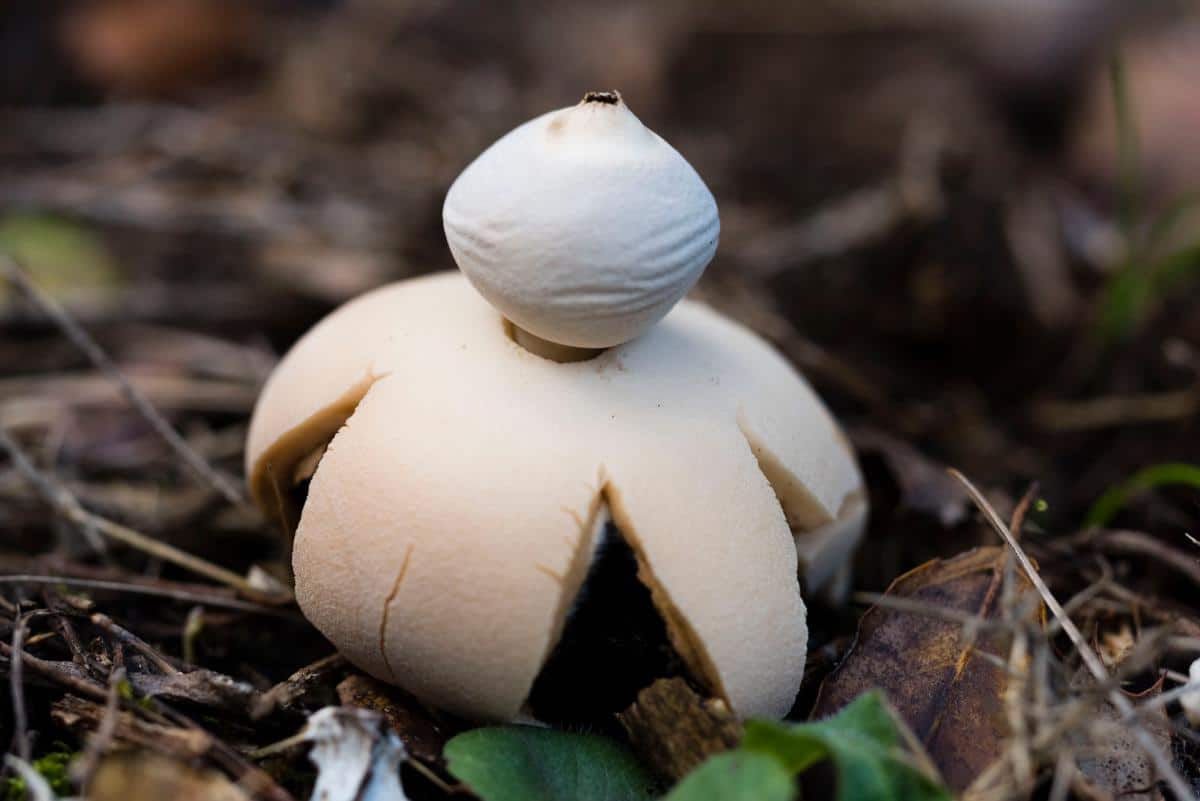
(463, 483)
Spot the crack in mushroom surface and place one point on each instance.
(614, 639)
(477, 460)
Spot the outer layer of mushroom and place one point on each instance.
(458, 510)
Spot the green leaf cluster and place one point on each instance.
(863, 743)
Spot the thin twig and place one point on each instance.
(70, 677)
(68, 505)
(100, 741)
(17, 687)
(278, 747)
(1161, 700)
(1064, 773)
(143, 589)
(284, 694)
(1019, 514)
(127, 637)
(1142, 544)
(1162, 762)
(96, 355)
(1019, 752)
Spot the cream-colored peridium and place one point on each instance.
(451, 520)
(582, 226)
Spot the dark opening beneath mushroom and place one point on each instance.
(297, 494)
(614, 644)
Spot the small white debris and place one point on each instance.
(1190, 701)
(357, 756)
(264, 582)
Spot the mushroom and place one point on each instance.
(582, 484)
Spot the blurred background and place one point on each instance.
(969, 224)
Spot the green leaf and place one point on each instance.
(525, 763)
(863, 742)
(1112, 501)
(61, 257)
(737, 776)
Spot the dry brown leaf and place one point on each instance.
(951, 698)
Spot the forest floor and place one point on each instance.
(977, 268)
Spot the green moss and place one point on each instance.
(53, 767)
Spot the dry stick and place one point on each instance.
(1162, 764)
(1142, 544)
(62, 624)
(1064, 773)
(1162, 699)
(53, 671)
(68, 505)
(279, 746)
(1018, 518)
(285, 693)
(126, 637)
(82, 340)
(143, 589)
(1016, 688)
